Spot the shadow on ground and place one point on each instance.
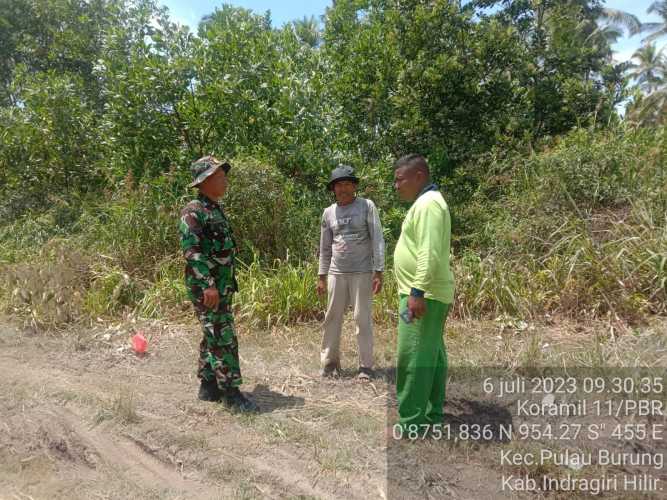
(269, 400)
(465, 413)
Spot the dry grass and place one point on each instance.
(122, 408)
(49, 295)
(315, 437)
(561, 343)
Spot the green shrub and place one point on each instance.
(579, 229)
(167, 293)
(111, 291)
(282, 294)
(269, 214)
(136, 229)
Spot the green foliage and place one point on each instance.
(307, 31)
(282, 294)
(99, 90)
(46, 143)
(111, 291)
(578, 229)
(462, 91)
(649, 102)
(135, 230)
(658, 29)
(62, 37)
(145, 72)
(21, 239)
(166, 294)
(529, 69)
(269, 213)
(586, 171)
(556, 207)
(576, 275)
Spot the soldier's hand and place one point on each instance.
(321, 285)
(211, 298)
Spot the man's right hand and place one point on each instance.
(211, 298)
(321, 285)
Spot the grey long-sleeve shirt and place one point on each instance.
(351, 239)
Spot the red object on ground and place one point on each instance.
(139, 343)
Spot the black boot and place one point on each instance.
(209, 391)
(235, 400)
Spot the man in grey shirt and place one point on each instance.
(350, 269)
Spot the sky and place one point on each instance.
(191, 11)
(626, 47)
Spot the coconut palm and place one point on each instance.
(659, 29)
(649, 106)
(648, 72)
(609, 26)
(604, 37)
(620, 19)
(649, 109)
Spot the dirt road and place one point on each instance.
(82, 417)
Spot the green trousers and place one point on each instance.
(421, 365)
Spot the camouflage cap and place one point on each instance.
(204, 167)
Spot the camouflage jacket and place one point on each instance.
(208, 247)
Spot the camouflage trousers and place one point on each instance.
(219, 348)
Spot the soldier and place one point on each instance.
(209, 249)
(350, 269)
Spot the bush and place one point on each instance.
(282, 294)
(47, 290)
(578, 230)
(270, 215)
(543, 235)
(136, 228)
(111, 291)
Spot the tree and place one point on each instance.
(649, 106)
(259, 91)
(48, 142)
(308, 30)
(649, 110)
(50, 98)
(659, 29)
(609, 27)
(145, 71)
(571, 77)
(64, 36)
(619, 19)
(648, 72)
(458, 93)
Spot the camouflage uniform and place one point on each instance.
(209, 249)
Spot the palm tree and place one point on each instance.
(649, 106)
(648, 73)
(604, 37)
(659, 29)
(607, 28)
(649, 109)
(620, 19)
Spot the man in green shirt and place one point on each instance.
(426, 290)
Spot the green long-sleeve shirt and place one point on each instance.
(421, 257)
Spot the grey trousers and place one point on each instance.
(353, 289)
